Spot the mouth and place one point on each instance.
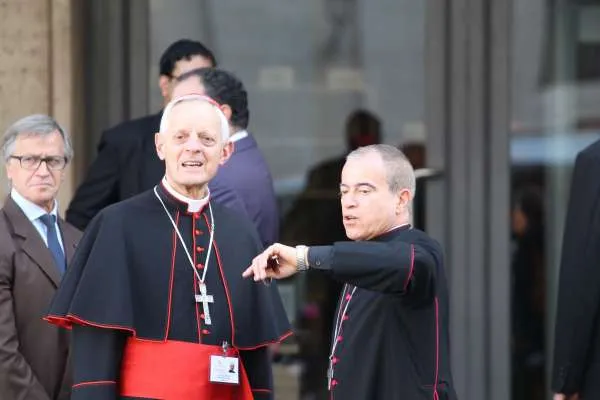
(350, 218)
(192, 164)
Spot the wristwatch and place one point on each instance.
(301, 258)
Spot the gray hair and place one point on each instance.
(400, 174)
(34, 125)
(164, 121)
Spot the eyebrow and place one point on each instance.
(370, 185)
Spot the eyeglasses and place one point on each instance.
(54, 163)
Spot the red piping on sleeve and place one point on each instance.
(82, 384)
(412, 266)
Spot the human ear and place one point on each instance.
(159, 143)
(227, 152)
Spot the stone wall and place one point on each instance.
(38, 69)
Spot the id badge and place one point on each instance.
(224, 369)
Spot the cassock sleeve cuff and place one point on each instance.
(320, 257)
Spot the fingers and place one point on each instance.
(262, 266)
(248, 272)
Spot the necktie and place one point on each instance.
(53, 244)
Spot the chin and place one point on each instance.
(352, 235)
(45, 194)
(193, 180)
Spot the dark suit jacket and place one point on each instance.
(245, 182)
(577, 336)
(33, 353)
(126, 165)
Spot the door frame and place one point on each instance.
(468, 122)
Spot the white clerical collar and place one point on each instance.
(194, 205)
(399, 226)
(238, 136)
(31, 210)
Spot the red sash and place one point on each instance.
(174, 370)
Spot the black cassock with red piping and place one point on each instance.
(390, 338)
(129, 296)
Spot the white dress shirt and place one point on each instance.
(33, 212)
(238, 136)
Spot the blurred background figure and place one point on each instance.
(528, 294)
(316, 215)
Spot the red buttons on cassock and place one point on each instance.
(205, 332)
(199, 249)
(348, 296)
(345, 317)
(198, 232)
(339, 338)
(200, 266)
(333, 382)
(335, 360)
(202, 316)
(196, 215)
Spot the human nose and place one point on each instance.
(43, 169)
(348, 200)
(193, 144)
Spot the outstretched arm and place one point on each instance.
(396, 267)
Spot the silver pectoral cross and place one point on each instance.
(204, 298)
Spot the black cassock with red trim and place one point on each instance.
(390, 338)
(129, 296)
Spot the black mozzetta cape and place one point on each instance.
(393, 317)
(130, 277)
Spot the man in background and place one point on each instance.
(244, 182)
(576, 369)
(127, 163)
(35, 247)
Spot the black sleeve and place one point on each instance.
(391, 267)
(579, 279)
(257, 364)
(96, 355)
(100, 187)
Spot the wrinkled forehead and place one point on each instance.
(31, 140)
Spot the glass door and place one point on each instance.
(555, 113)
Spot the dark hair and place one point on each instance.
(224, 88)
(363, 128)
(183, 49)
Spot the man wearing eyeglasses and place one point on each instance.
(35, 248)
